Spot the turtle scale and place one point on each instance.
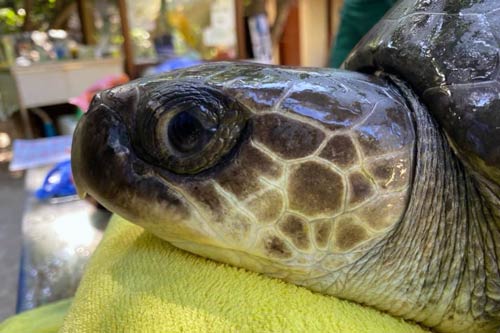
(296, 158)
(456, 47)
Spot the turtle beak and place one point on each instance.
(102, 158)
(76, 156)
(102, 132)
(106, 166)
(90, 137)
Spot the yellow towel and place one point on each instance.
(44, 319)
(136, 282)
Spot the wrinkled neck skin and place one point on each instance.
(440, 265)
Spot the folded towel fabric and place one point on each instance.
(136, 282)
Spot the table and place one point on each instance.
(50, 83)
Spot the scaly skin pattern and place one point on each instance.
(306, 188)
(337, 181)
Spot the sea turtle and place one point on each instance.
(378, 184)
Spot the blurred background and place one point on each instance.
(54, 56)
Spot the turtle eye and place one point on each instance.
(188, 134)
(185, 127)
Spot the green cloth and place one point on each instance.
(357, 18)
(44, 319)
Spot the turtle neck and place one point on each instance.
(440, 264)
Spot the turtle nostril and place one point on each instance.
(125, 96)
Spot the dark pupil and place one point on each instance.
(187, 134)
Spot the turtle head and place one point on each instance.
(257, 166)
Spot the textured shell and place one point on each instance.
(448, 51)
